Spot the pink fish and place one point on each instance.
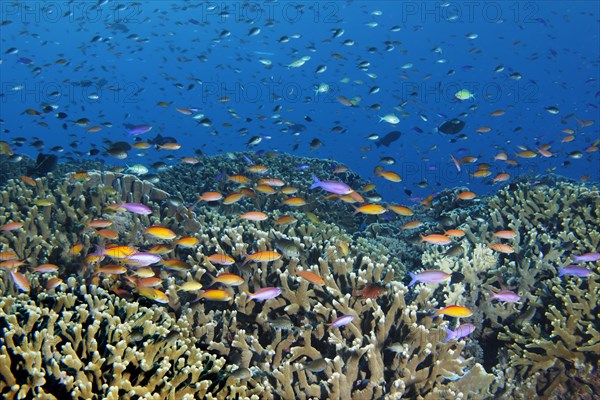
(137, 208)
(20, 281)
(460, 332)
(143, 259)
(576, 270)
(264, 294)
(429, 276)
(587, 257)
(341, 321)
(506, 295)
(332, 186)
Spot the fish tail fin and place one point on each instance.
(316, 183)
(451, 334)
(413, 279)
(561, 272)
(212, 279)
(249, 299)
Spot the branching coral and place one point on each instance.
(84, 343)
(550, 337)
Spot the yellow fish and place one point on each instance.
(455, 311)
(154, 294)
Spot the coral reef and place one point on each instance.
(84, 343)
(550, 338)
(167, 340)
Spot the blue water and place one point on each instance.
(135, 54)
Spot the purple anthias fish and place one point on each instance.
(136, 208)
(341, 321)
(429, 276)
(135, 130)
(576, 270)
(587, 257)
(506, 295)
(264, 294)
(460, 332)
(332, 186)
(142, 259)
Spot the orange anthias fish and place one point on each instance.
(154, 294)
(502, 248)
(506, 234)
(118, 251)
(20, 281)
(226, 279)
(233, 198)
(28, 180)
(11, 226)
(466, 195)
(254, 216)
(311, 277)
(436, 239)
(455, 311)
(370, 291)
(371, 209)
(210, 196)
(455, 233)
(401, 210)
(215, 295)
(8, 256)
(294, 201)
(285, 220)
(160, 232)
(187, 241)
(221, 259)
(262, 256)
(411, 225)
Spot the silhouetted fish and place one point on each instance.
(43, 164)
(159, 140)
(388, 139)
(452, 127)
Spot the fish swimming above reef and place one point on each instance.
(43, 164)
(331, 186)
(452, 127)
(388, 139)
(134, 130)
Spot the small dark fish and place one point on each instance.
(255, 140)
(25, 60)
(316, 365)
(282, 323)
(160, 140)
(287, 247)
(44, 163)
(241, 373)
(452, 127)
(117, 153)
(455, 251)
(388, 139)
(315, 144)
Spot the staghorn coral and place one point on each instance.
(283, 347)
(549, 339)
(357, 360)
(84, 343)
